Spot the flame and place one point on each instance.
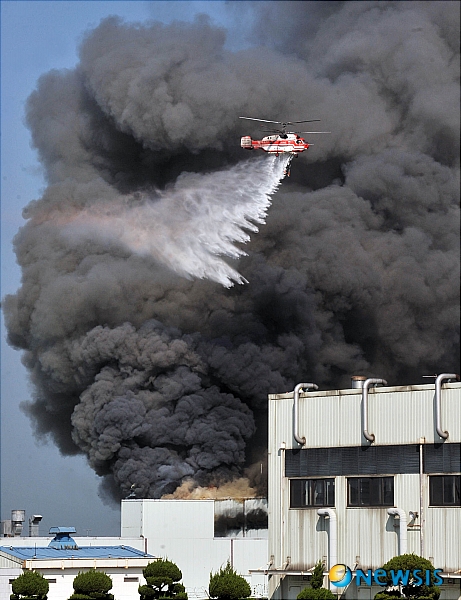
(237, 489)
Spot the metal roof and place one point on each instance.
(63, 530)
(48, 553)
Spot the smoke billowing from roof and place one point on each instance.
(161, 379)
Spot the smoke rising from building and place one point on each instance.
(161, 379)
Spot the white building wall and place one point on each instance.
(183, 531)
(6, 575)
(125, 581)
(396, 415)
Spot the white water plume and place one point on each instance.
(190, 225)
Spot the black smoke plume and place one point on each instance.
(142, 354)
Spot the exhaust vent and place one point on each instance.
(357, 381)
(34, 523)
(17, 519)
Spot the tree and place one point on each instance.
(316, 591)
(226, 584)
(92, 585)
(317, 576)
(410, 591)
(309, 593)
(30, 586)
(162, 577)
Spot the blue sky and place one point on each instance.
(36, 37)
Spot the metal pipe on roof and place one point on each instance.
(438, 393)
(357, 381)
(366, 384)
(332, 539)
(298, 388)
(398, 512)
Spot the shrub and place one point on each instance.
(322, 593)
(316, 591)
(162, 578)
(409, 562)
(30, 586)
(92, 585)
(392, 595)
(317, 576)
(226, 584)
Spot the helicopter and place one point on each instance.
(281, 141)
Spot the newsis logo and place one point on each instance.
(341, 575)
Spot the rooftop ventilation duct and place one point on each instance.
(357, 382)
(17, 519)
(298, 388)
(62, 539)
(34, 522)
(438, 392)
(366, 384)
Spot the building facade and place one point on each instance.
(201, 536)
(62, 558)
(361, 475)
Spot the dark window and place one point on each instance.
(445, 490)
(312, 492)
(370, 491)
(131, 579)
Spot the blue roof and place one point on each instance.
(48, 553)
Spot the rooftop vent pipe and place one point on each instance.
(298, 388)
(438, 391)
(357, 381)
(366, 384)
(398, 512)
(34, 522)
(17, 519)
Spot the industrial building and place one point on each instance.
(356, 477)
(200, 536)
(62, 558)
(360, 475)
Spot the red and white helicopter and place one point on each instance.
(281, 141)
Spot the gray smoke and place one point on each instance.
(139, 356)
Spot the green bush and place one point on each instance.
(162, 578)
(30, 586)
(309, 593)
(226, 584)
(317, 576)
(92, 585)
(392, 595)
(316, 591)
(409, 562)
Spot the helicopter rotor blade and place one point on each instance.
(313, 132)
(261, 120)
(308, 121)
